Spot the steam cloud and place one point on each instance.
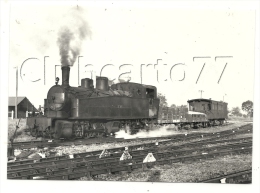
(71, 36)
(156, 132)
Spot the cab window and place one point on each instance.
(149, 93)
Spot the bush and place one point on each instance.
(12, 126)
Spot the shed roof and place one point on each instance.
(11, 101)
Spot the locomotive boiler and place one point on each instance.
(88, 111)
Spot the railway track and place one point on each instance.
(89, 163)
(118, 151)
(61, 142)
(31, 170)
(85, 171)
(239, 177)
(64, 171)
(213, 136)
(131, 148)
(55, 143)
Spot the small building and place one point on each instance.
(23, 105)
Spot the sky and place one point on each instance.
(171, 45)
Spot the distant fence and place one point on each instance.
(11, 114)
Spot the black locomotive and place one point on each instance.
(85, 111)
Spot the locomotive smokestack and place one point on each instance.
(65, 75)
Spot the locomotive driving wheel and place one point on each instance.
(87, 135)
(134, 128)
(100, 134)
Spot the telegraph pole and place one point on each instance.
(224, 96)
(201, 93)
(16, 92)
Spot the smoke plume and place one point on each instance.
(71, 36)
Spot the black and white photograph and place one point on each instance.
(156, 95)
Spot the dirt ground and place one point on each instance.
(178, 172)
(183, 172)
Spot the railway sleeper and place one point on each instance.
(100, 171)
(158, 155)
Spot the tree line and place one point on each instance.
(163, 103)
(247, 106)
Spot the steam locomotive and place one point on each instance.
(85, 111)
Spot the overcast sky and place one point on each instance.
(138, 35)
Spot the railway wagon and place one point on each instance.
(201, 112)
(181, 116)
(173, 114)
(85, 111)
(216, 111)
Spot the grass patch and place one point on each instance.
(154, 176)
(20, 133)
(183, 172)
(246, 119)
(198, 171)
(12, 126)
